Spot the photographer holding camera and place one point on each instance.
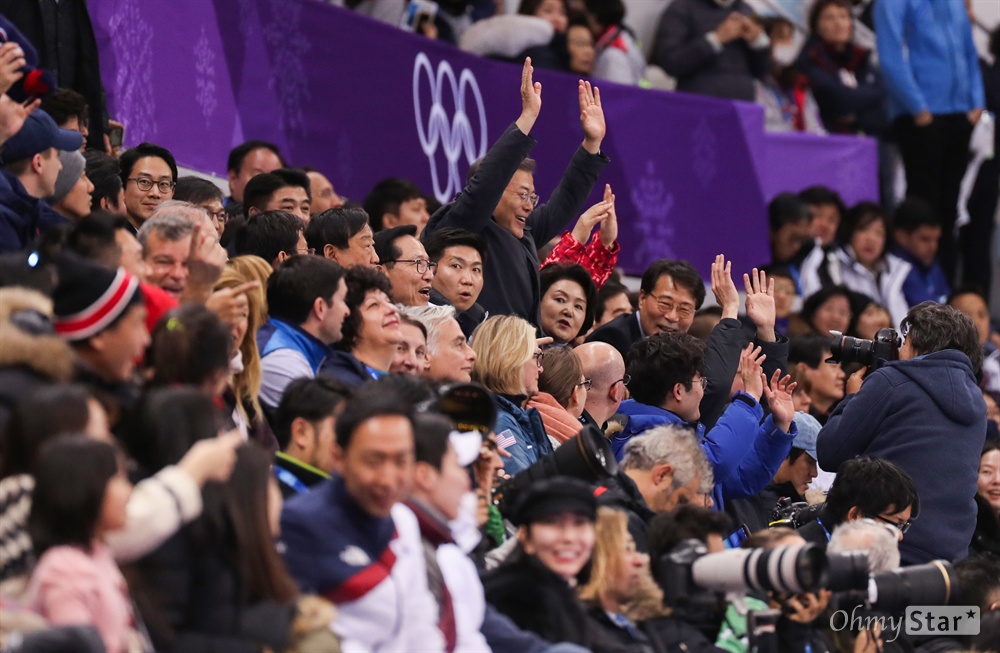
(926, 414)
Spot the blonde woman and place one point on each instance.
(624, 602)
(508, 362)
(248, 315)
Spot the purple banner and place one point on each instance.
(361, 100)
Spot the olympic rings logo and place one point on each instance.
(455, 135)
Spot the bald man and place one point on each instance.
(604, 366)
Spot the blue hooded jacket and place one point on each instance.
(744, 453)
(926, 415)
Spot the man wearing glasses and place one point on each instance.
(149, 176)
(404, 260)
(605, 368)
(925, 413)
(500, 204)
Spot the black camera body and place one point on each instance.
(871, 353)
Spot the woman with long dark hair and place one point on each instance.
(80, 496)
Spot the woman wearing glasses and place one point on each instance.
(508, 363)
(562, 394)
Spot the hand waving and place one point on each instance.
(760, 303)
(750, 370)
(779, 398)
(11, 62)
(531, 98)
(723, 287)
(591, 117)
(609, 226)
(13, 115)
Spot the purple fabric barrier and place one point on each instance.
(360, 101)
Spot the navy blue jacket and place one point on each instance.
(22, 216)
(844, 108)
(926, 415)
(923, 284)
(510, 279)
(347, 369)
(525, 426)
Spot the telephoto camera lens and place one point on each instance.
(934, 583)
(847, 571)
(786, 569)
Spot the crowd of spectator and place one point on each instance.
(276, 419)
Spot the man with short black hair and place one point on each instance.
(394, 202)
(870, 488)
(246, 161)
(826, 210)
(305, 301)
(825, 381)
(30, 168)
(461, 258)
(789, 225)
(69, 109)
(305, 424)
(149, 175)
(204, 194)
(343, 235)
(352, 542)
(744, 448)
(285, 189)
(925, 413)
(916, 232)
(104, 173)
(669, 294)
(275, 236)
(403, 259)
(500, 204)
(324, 197)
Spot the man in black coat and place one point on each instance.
(499, 202)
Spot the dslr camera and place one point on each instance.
(871, 353)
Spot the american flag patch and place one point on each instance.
(506, 440)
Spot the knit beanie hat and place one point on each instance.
(89, 298)
(73, 165)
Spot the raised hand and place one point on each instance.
(531, 98)
(13, 115)
(591, 117)
(11, 61)
(723, 287)
(779, 398)
(205, 263)
(751, 371)
(212, 459)
(760, 303)
(609, 226)
(231, 304)
(585, 223)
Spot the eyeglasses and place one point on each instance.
(703, 381)
(537, 356)
(525, 197)
(684, 311)
(421, 264)
(144, 184)
(586, 383)
(902, 528)
(302, 250)
(625, 380)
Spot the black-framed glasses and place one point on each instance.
(902, 528)
(526, 197)
(145, 184)
(537, 356)
(625, 380)
(586, 383)
(422, 264)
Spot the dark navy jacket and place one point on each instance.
(926, 415)
(923, 284)
(22, 216)
(525, 426)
